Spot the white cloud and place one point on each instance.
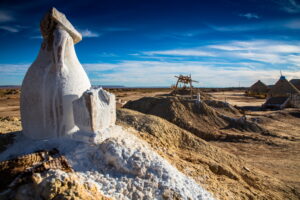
(12, 74)
(254, 54)
(294, 24)
(116, 29)
(157, 73)
(228, 64)
(13, 28)
(161, 73)
(249, 16)
(85, 33)
(290, 6)
(294, 59)
(88, 33)
(236, 28)
(262, 57)
(282, 48)
(10, 29)
(270, 25)
(180, 52)
(267, 51)
(37, 37)
(98, 67)
(13, 69)
(5, 17)
(226, 47)
(106, 54)
(260, 45)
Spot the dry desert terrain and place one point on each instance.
(275, 151)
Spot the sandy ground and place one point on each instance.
(125, 95)
(134, 95)
(281, 160)
(9, 106)
(237, 98)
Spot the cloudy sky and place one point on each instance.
(221, 43)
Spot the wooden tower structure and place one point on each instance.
(185, 80)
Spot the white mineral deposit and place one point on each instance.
(95, 110)
(53, 81)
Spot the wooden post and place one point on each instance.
(191, 87)
(176, 86)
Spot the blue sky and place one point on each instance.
(222, 43)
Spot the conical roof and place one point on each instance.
(259, 88)
(296, 83)
(283, 88)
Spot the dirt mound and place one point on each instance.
(206, 122)
(223, 107)
(181, 91)
(187, 92)
(243, 124)
(200, 120)
(223, 174)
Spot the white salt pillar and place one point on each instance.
(53, 81)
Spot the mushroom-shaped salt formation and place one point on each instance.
(53, 81)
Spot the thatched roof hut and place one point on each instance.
(283, 88)
(258, 88)
(283, 94)
(296, 83)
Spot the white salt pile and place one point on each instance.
(122, 165)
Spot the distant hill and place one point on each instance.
(10, 86)
(108, 86)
